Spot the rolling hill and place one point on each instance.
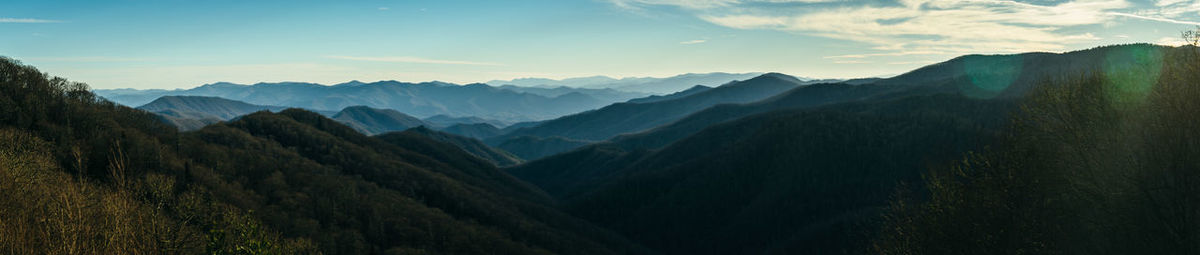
(441, 121)
(973, 76)
(203, 107)
(417, 99)
(373, 121)
(477, 130)
(612, 120)
(799, 181)
(638, 84)
(267, 183)
(537, 147)
(473, 146)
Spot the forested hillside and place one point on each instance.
(1105, 163)
(803, 173)
(371, 121)
(82, 170)
(475, 147)
(604, 123)
(801, 181)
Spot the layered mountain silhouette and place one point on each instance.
(194, 112)
(533, 147)
(799, 181)
(768, 164)
(475, 130)
(676, 95)
(214, 107)
(807, 171)
(473, 146)
(620, 118)
(288, 182)
(373, 121)
(417, 99)
(446, 121)
(639, 84)
(604, 94)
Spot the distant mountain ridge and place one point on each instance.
(446, 121)
(638, 84)
(473, 146)
(195, 112)
(417, 99)
(808, 171)
(217, 107)
(604, 123)
(474, 130)
(373, 121)
(680, 94)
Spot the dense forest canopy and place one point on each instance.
(1103, 163)
(83, 175)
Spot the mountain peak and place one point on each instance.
(766, 78)
(351, 83)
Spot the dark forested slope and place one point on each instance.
(797, 181)
(612, 120)
(467, 144)
(282, 183)
(373, 121)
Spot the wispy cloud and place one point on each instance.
(1159, 19)
(689, 4)
(87, 59)
(384, 8)
(26, 20)
(933, 27)
(1171, 41)
(704, 4)
(852, 62)
(414, 60)
(890, 54)
(930, 26)
(693, 42)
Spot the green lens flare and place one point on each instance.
(991, 75)
(1131, 72)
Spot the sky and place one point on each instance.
(181, 44)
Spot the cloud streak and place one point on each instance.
(1167, 20)
(89, 59)
(26, 20)
(693, 42)
(414, 60)
(933, 27)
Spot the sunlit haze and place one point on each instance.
(182, 44)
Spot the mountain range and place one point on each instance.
(809, 170)
(941, 158)
(642, 114)
(637, 84)
(417, 99)
(280, 183)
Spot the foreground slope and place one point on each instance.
(799, 181)
(810, 170)
(282, 183)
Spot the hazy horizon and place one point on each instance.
(144, 45)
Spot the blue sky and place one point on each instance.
(181, 44)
